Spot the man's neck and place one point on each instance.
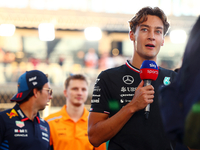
(75, 112)
(28, 109)
(137, 61)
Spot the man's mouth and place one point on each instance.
(48, 102)
(149, 45)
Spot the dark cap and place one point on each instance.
(27, 82)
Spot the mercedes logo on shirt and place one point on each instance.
(128, 79)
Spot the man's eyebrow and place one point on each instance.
(144, 25)
(159, 28)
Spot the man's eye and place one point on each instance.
(144, 29)
(158, 32)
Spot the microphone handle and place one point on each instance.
(147, 108)
(147, 82)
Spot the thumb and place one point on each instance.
(141, 84)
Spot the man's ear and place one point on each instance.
(65, 92)
(35, 92)
(162, 42)
(132, 36)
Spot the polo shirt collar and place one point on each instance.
(67, 117)
(130, 66)
(22, 116)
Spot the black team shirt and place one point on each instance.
(114, 88)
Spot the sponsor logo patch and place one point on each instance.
(95, 100)
(19, 124)
(34, 83)
(20, 130)
(128, 79)
(13, 113)
(20, 113)
(128, 89)
(45, 134)
(20, 133)
(124, 95)
(45, 139)
(97, 80)
(43, 128)
(19, 95)
(125, 101)
(166, 81)
(97, 89)
(96, 95)
(33, 78)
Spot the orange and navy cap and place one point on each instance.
(27, 82)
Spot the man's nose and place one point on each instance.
(50, 96)
(80, 91)
(151, 35)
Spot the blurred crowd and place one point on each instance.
(91, 64)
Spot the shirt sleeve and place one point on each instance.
(101, 95)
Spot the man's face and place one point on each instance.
(44, 97)
(148, 37)
(77, 92)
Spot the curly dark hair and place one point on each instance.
(141, 16)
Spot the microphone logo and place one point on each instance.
(152, 71)
(152, 65)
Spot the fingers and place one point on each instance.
(143, 96)
(149, 100)
(150, 87)
(141, 84)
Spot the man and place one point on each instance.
(181, 120)
(119, 97)
(21, 127)
(68, 127)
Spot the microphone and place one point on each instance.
(148, 73)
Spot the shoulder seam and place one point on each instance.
(51, 119)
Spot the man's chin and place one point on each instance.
(42, 108)
(78, 104)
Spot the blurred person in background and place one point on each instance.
(105, 61)
(68, 127)
(180, 101)
(21, 127)
(2, 77)
(120, 97)
(2, 53)
(91, 58)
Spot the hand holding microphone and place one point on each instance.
(148, 73)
